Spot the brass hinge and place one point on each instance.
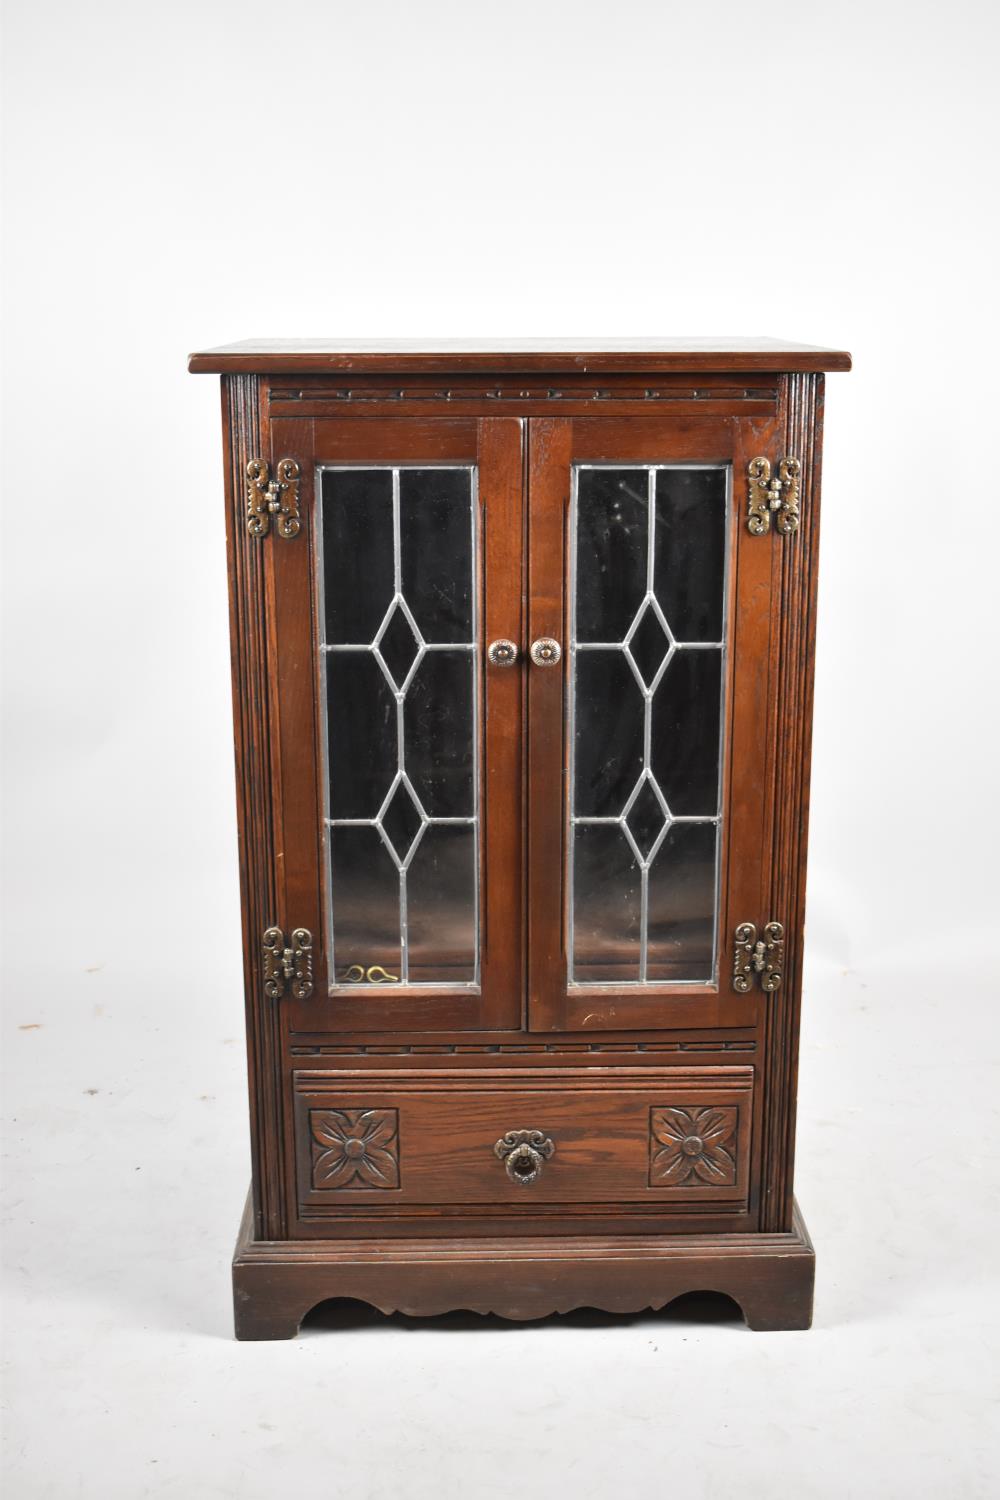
(278, 497)
(761, 958)
(779, 495)
(288, 964)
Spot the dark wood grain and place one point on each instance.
(769, 1276)
(429, 1080)
(599, 1125)
(256, 786)
(548, 486)
(651, 356)
(795, 630)
(501, 501)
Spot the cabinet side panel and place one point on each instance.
(801, 405)
(251, 711)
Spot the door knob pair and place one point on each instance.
(544, 652)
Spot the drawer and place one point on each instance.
(516, 1137)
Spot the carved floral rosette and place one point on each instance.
(354, 1148)
(693, 1145)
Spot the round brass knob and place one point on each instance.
(502, 653)
(545, 652)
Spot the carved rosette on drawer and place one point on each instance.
(354, 1148)
(691, 1145)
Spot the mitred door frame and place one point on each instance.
(495, 447)
(555, 445)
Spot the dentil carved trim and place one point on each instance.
(354, 1148)
(689, 1146)
(518, 394)
(451, 1049)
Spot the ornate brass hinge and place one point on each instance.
(761, 958)
(278, 497)
(779, 495)
(288, 964)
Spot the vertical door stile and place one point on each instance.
(550, 442)
(753, 711)
(501, 467)
(289, 570)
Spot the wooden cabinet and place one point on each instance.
(522, 665)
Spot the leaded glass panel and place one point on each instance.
(399, 654)
(647, 647)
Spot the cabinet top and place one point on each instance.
(640, 356)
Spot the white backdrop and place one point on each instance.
(185, 174)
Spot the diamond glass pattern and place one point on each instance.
(644, 874)
(401, 724)
(403, 821)
(646, 816)
(648, 644)
(398, 646)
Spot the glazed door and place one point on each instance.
(649, 716)
(400, 754)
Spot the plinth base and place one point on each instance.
(276, 1282)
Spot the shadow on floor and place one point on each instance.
(693, 1310)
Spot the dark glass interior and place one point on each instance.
(437, 719)
(608, 744)
(682, 904)
(399, 652)
(611, 509)
(361, 719)
(440, 916)
(357, 544)
(366, 900)
(690, 551)
(437, 561)
(607, 905)
(685, 733)
(649, 552)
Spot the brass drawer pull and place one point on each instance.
(524, 1154)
